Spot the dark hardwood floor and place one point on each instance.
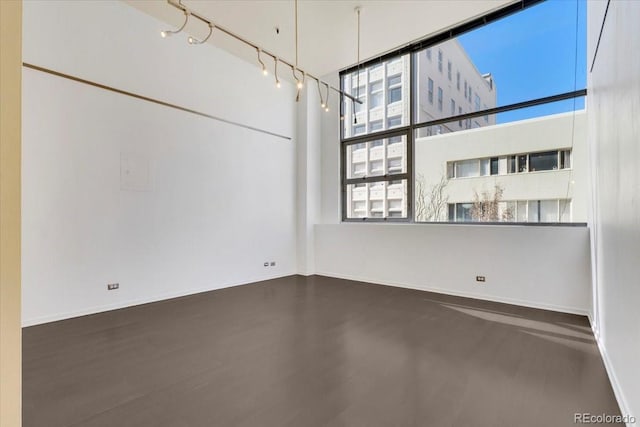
(310, 352)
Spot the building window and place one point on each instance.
(465, 89)
(394, 122)
(359, 129)
(565, 159)
(531, 162)
(470, 94)
(495, 166)
(460, 212)
(484, 167)
(543, 161)
(460, 113)
(439, 98)
(453, 107)
(467, 168)
(449, 70)
(375, 94)
(375, 126)
(429, 54)
(430, 91)
(360, 94)
(394, 87)
(458, 80)
(382, 163)
(537, 211)
(440, 60)
(477, 102)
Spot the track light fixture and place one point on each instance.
(298, 74)
(264, 68)
(322, 104)
(193, 40)
(326, 100)
(167, 33)
(275, 72)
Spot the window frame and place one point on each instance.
(387, 177)
(410, 129)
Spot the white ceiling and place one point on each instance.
(327, 28)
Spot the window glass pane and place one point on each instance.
(533, 211)
(394, 122)
(484, 167)
(492, 70)
(494, 166)
(522, 209)
(381, 88)
(565, 210)
(375, 126)
(565, 159)
(395, 80)
(507, 211)
(466, 168)
(548, 211)
(543, 161)
(463, 212)
(378, 157)
(385, 199)
(395, 94)
(359, 129)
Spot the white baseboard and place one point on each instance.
(512, 301)
(130, 303)
(613, 379)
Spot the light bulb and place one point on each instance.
(278, 84)
(190, 40)
(299, 85)
(163, 34)
(323, 105)
(326, 109)
(264, 71)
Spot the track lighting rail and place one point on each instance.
(213, 26)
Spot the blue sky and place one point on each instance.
(532, 54)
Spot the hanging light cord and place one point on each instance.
(573, 119)
(358, 55)
(355, 119)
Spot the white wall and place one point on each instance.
(544, 267)
(205, 202)
(308, 146)
(614, 132)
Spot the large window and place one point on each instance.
(376, 178)
(402, 158)
(523, 211)
(508, 164)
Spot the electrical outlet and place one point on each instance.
(113, 286)
(481, 279)
(266, 263)
(273, 264)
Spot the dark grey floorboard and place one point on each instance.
(314, 351)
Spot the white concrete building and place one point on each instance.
(539, 164)
(449, 84)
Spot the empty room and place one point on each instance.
(319, 213)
